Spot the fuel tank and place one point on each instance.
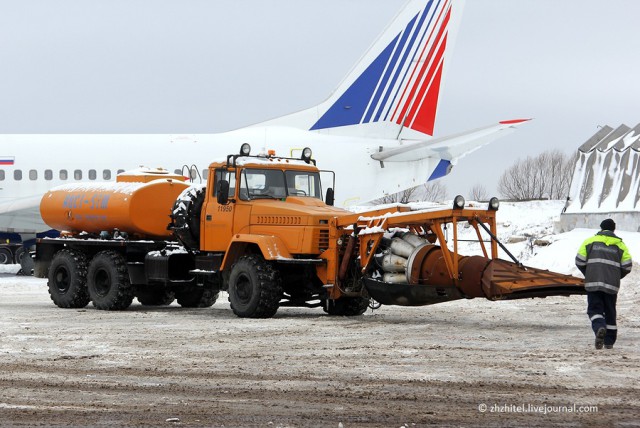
(141, 208)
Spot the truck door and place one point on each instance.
(218, 219)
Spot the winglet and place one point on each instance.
(513, 121)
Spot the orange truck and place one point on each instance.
(263, 230)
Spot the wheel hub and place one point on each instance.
(62, 279)
(243, 289)
(102, 282)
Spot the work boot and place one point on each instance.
(600, 334)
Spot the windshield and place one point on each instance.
(276, 184)
(303, 183)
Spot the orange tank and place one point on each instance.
(138, 208)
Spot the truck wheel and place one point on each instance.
(108, 281)
(158, 297)
(5, 256)
(347, 306)
(19, 253)
(26, 262)
(254, 288)
(198, 297)
(67, 279)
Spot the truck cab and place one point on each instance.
(267, 208)
(269, 196)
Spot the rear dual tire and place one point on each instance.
(153, 297)
(108, 281)
(105, 282)
(67, 279)
(6, 258)
(199, 298)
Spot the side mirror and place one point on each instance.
(329, 199)
(223, 192)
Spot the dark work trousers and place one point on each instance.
(601, 309)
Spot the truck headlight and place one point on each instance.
(458, 202)
(306, 154)
(494, 204)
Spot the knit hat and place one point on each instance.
(608, 224)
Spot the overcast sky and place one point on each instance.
(133, 66)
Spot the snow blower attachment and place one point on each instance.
(405, 259)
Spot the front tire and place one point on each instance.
(108, 282)
(254, 288)
(67, 279)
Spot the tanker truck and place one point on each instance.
(263, 229)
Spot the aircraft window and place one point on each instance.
(1, 174)
(92, 174)
(77, 174)
(205, 173)
(33, 174)
(177, 171)
(106, 174)
(64, 174)
(120, 171)
(17, 174)
(48, 174)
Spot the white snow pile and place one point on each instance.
(542, 248)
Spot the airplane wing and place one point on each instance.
(450, 148)
(21, 215)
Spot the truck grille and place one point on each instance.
(323, 239)
(279, 219)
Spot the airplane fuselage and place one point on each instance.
(41, 162)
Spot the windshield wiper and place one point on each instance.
(261, 196)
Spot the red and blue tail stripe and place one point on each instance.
(398, 52)
(409, 49)
(417, 109)
(401, 85)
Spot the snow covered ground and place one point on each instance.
(461, 363)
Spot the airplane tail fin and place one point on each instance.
(393, 91)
